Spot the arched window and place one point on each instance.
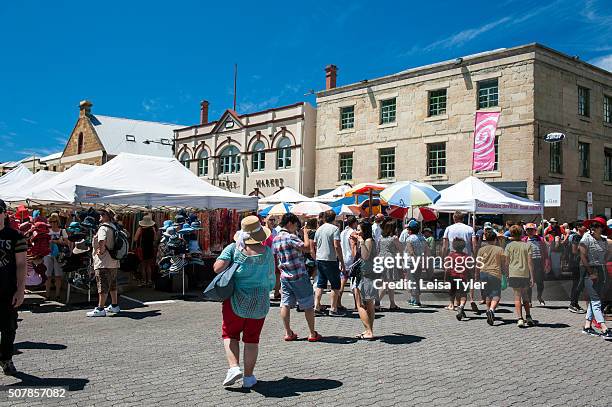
(203, 163)
(185, 159)
(80, 144)
(230, 160)
(259, 156)
(283, 154)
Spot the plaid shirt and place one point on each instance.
(287, 249)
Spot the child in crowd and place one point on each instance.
(455, 267)
(519, 258)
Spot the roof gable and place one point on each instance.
(229, 121)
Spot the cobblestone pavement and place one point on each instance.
(171, 354)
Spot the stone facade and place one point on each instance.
(202, 147)
(83, 145)
(528, 106)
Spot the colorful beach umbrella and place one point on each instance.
(422, 214)
(364, 189)
(278, 209)
(309, 208)
(410, 193)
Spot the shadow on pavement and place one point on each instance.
(289, 387)
(37, 345)
(555, 325)
(339, 340)
(411, 311)
(399, 339)
(137, 315)
(34, 381)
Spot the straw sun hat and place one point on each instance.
(257, 233)
(147, 221)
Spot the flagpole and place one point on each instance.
(235, 80)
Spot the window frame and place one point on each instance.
(229, 161)
(258, 159)
(185, 161)
(607, 109)
(488, 103)
(347, 122)
(584, 160)
(608, 164)
(386, 170)
(343, 158)
(552, 164)
(387, 111)
(203, 163)
(439, 169)
(283, 154)
(438, 110)
(584, 101)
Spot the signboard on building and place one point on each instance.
(554, 137)
(589, 205)
(550, 195)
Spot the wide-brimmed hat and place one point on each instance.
(167, 223)
(179, 220)
(530, 226)
(196, 225)
(170, 231)
(186, 229)
(256, 232)
(80, 247)
(487, 225)
(601, 221)
(107, 211)
(54, 217)
(553, 220)
(147, 221)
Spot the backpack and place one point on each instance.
(121, 243)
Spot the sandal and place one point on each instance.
(316, 338)
(394, 308)
(450, 308)
(290, 338)
(365, 338)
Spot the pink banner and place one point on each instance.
(483, 158)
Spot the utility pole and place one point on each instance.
(235, 80)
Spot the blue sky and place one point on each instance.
(155, 60)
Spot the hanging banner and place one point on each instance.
(483, 158)
(550, 195)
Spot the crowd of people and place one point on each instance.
(298, 263)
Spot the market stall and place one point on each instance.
(16, 175)
(17, 191)
(286, 194)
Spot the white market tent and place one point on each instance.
(287, 194)
(475, 196)
(153, 182)
(19, 190)
(16, 175)
(333, 195)
(60, 190)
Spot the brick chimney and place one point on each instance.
(331, 71)
(204, 112)
(85, 108)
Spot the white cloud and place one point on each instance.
(30, 121)
(604, 62)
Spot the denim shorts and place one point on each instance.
(328, 271)
(492, 287)
(297, 291)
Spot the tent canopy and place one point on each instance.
(476, 196)
(333, 195)
(19, 191)
(287, 194)
(16, 175)
(154, 182)
(61, 188)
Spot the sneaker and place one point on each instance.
(248, 382)
(573, 309)
(529, 321)
(97, 312)
(335, 313)
(580, 309)
(460, 314)
(607, 335)
(541, 302)
(474, 307)
(490, 317)
(112, 310)
(233, 374)
(8, 367)
(520, 323)
(590, 331)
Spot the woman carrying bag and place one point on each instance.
(246, 309)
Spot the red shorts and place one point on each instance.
(233, 325)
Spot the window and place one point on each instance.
(584, 101)
(607, 109)
(386, 158)
(129, 137)
(496, 163)
(80, 144)
(387, 111)
(584, 158)
(437, 102)
(488, 93)
(436, 159)
(347, 117)
(607, 164)
(346, 166)
(259, 156)
(283, 154)
(556, 158)
(582, 210)
(203, 163)
(230, 160)
(185, 159)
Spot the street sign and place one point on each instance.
(589, 204)
(554, 137)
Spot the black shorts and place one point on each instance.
(8, 317)
(518, 282)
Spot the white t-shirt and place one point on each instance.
(376, 232)
(104, 261)
(462, 231)
(345, 243)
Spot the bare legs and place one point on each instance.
(232, 353)
(366, 314)
(286, 317)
